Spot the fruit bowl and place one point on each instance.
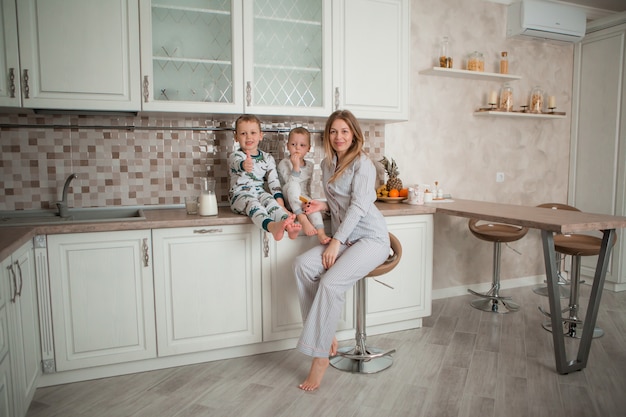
(391, 199)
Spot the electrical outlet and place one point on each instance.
(499, 176)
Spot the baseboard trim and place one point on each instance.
(485, 286)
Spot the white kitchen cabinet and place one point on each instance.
(79, 54)
(22, 328)
(6, 381)
(102, 301)
(371, 58)
(282, 318)
(194, 60)
(598, 136)
(9, 56)
(207, 288)
(287, 57)
(6, 388)
(409, 301)
(192, 56)
(395, 309)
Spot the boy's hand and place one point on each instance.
(296, 159)
(248, 164)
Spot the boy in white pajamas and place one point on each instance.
(295, 175)
(250, 168)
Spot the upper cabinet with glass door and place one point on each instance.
(191, 56)
(287, 57)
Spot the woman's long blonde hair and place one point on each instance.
(355, 149)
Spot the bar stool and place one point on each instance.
(575, 245)
(563, 282)
(497, 233)
(362, 358)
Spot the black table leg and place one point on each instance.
(563, 366)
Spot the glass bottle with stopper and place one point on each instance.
(445, 54)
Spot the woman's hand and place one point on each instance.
(330, 254)
(314, 206)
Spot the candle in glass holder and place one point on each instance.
(493, 97)
(551, 102)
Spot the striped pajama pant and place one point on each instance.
(322, 293)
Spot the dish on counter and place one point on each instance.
(391, 199)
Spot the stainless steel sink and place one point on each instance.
(87, 215)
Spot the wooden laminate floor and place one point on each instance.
(463, 362)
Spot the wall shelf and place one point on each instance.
(475, 75)
(497, 113)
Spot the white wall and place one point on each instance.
(444, 141)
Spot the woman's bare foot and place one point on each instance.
(314, 379)
(333, 347)
(323, 237)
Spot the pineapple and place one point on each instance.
(392, 171)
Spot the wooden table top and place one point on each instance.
(558, 221)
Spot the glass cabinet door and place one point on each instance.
(287, 56)
(190, 55)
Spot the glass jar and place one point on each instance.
(504, 63)
(208, 201)
(506, 98)
(476, 62)
(445, 54)
(536, 100)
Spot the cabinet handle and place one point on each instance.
(336, 98)
(146, 89)
(12, 82)
(266, 245)
(19, 270)
(248, 93)
(146, 256)
(12, 271)
(204, 231)
(26, 88)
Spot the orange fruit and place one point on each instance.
(404, 192)
(394, 193)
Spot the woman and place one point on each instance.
(359, 244)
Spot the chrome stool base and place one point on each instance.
(543, 291)
(350, 360)
(574, 331)
(495, 305)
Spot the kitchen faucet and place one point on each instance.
(62, 205)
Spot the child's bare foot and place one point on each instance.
(322, 237)
(307, 227)
(333, 347)
(277, 229)
(293, 230)
(316, 373)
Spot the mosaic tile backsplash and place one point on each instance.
(132, 161)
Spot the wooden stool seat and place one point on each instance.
(498, 233)
(577, 245)
(362, 358)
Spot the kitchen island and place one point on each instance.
(549, 222)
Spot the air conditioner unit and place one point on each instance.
(545, 20)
